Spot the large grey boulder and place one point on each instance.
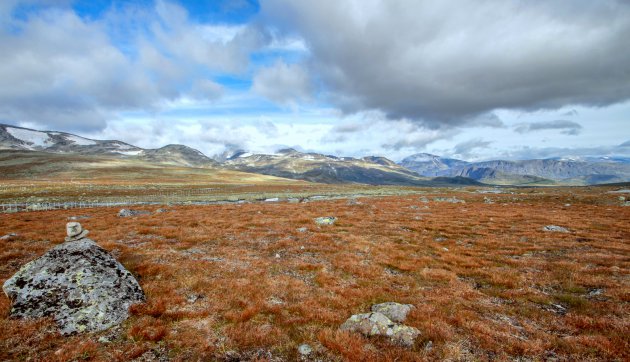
(377, 324)
(77, 283)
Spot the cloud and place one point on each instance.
(465, 149)
(526, 152)
(61, 71)
(283, 83)
(567, 127)
(447, 62)
(371, 133)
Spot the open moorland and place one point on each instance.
(253, 281)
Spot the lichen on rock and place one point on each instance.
(77, 283)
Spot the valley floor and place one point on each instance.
(254, 281)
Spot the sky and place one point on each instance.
(469, 79)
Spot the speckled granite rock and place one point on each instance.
(79, 284)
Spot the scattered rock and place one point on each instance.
(555, 228)
(353, 201)
(8, 236)
(555, 308)
(302, 230)
(326, 220)
(272, 199)
(75, 231)
(429, 346)
(395, 311)
(305, 349)
(452, 200)
(159, 211)
(293, 200)
(78, 217)
(77, 283)
(275, 301)
(377, 324)
(129, 212)
(423, 200)
(192, 298)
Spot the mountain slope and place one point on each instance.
(315, 167)
(427, 164)
(24, 139)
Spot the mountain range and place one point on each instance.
(561, 170)
(420, 169)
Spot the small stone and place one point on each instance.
(103, 340)
(277, 256)
(129, 212)
(555, 228)
(326, 220)
(75, 231)
(8, 236)
(429, 346)
(302, 230)
(192, 298)
(305, 349)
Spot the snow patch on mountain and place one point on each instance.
(32, 138)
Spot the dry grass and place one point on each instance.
(229, 282)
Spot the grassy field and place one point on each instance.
(241, 282)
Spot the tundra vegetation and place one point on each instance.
(259, 280)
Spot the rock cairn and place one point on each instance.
(75, 232)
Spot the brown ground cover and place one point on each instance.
(230, 282)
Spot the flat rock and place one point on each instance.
(129, 212)
(77, 283)
(555, 228)
(8, 236)
(395, 311)
(377, 324)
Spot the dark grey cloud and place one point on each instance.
(566, 127)
(447, 62)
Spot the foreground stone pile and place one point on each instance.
(77, 283)
(385, 320)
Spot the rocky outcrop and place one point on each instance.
(77, 283)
